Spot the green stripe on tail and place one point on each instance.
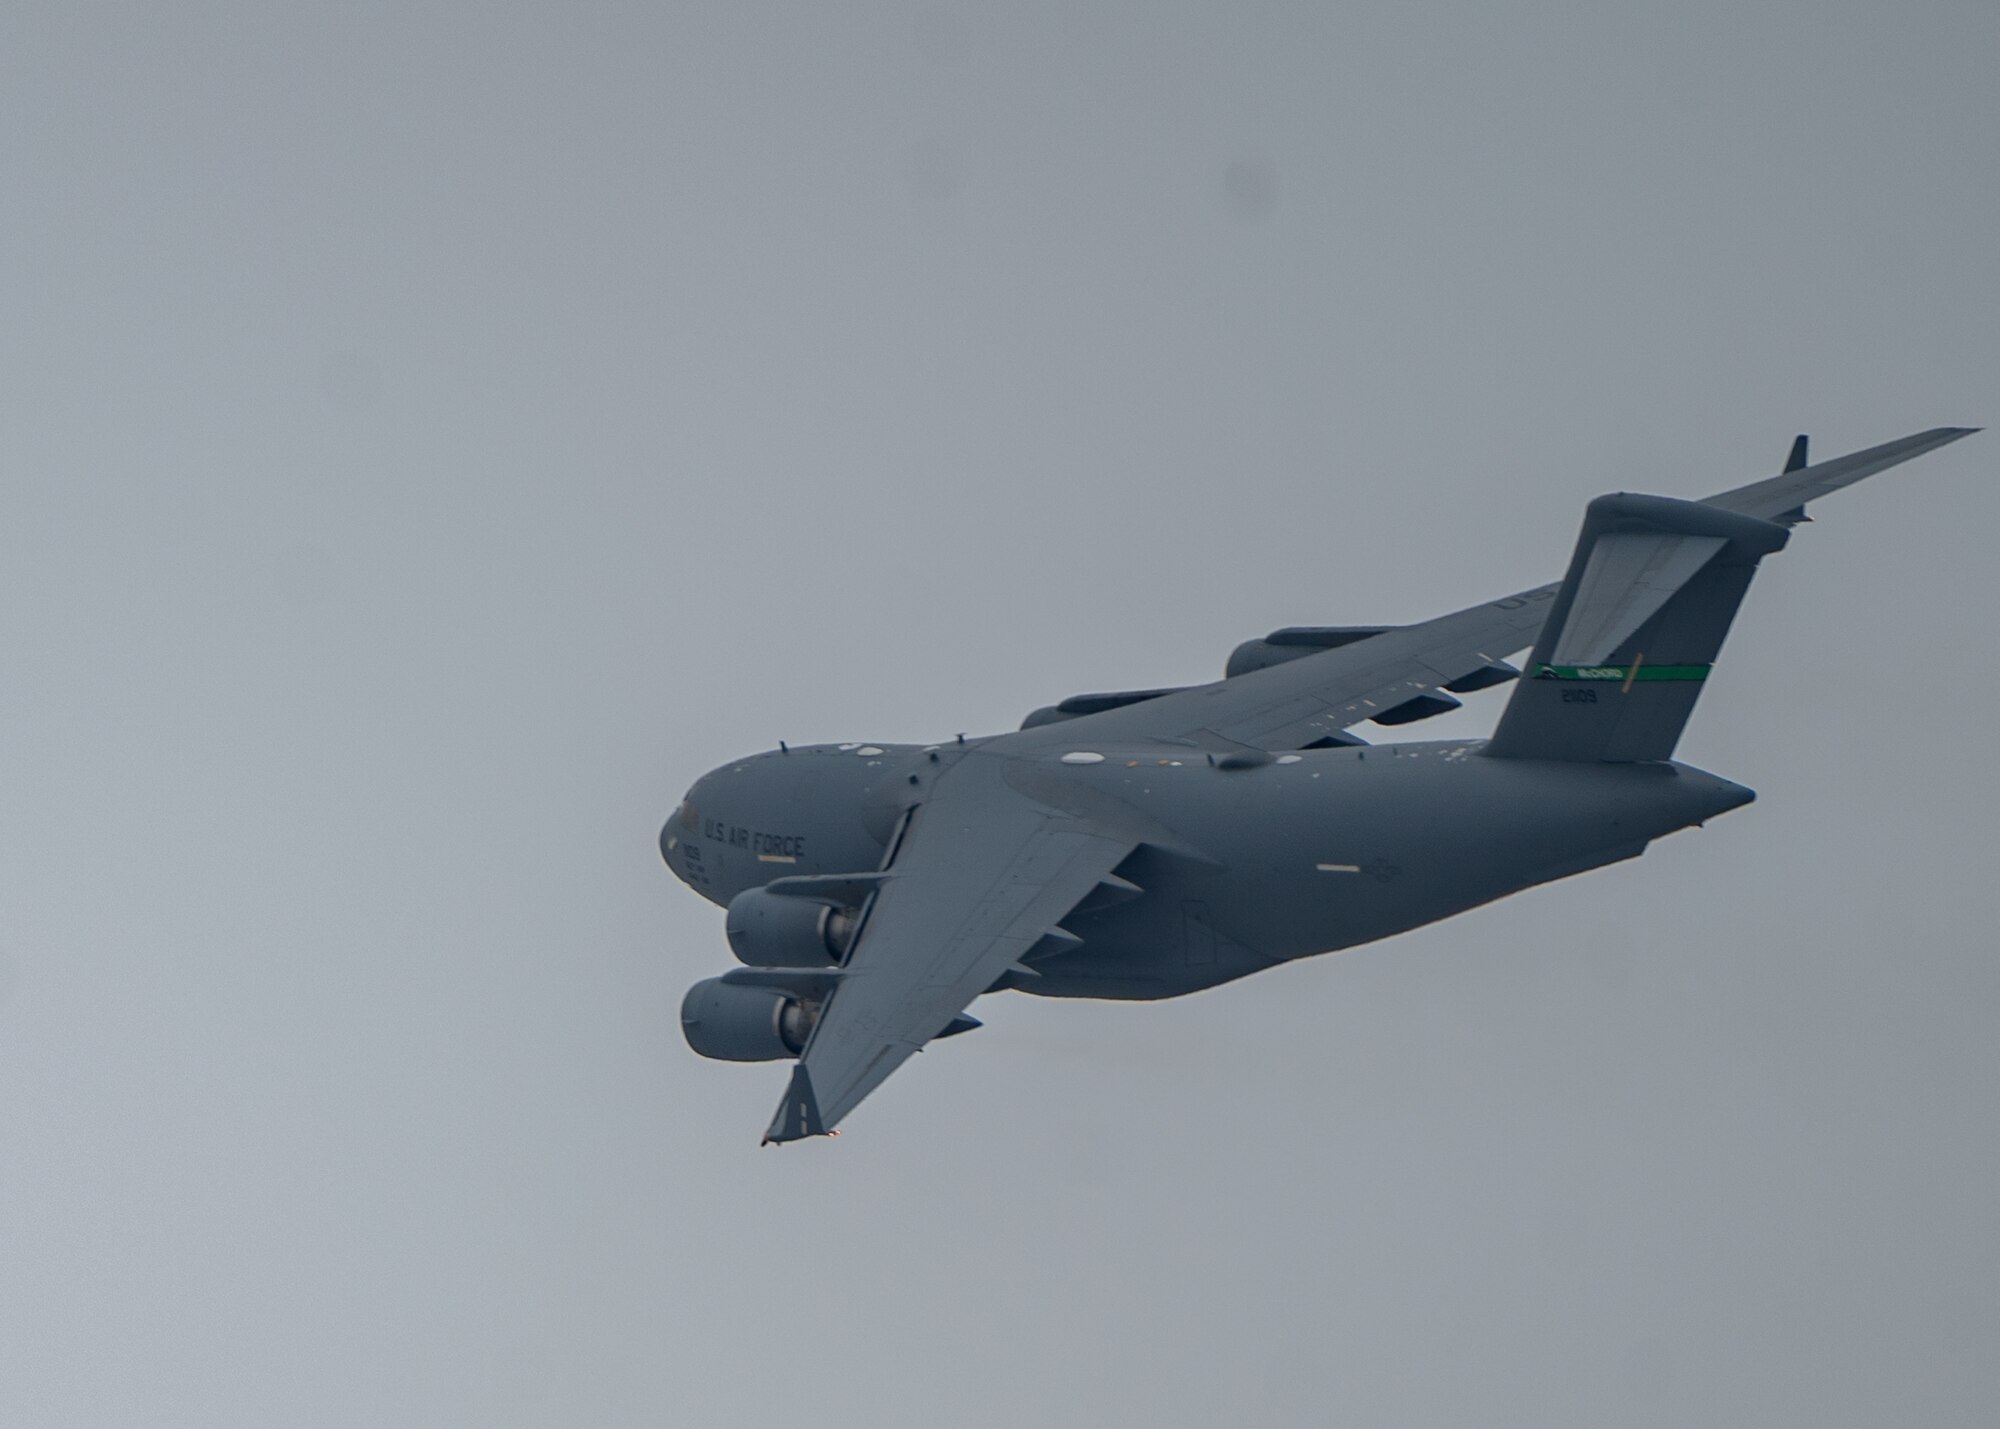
(1620, 674)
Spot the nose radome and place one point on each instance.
(676, 830)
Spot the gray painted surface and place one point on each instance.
(433, 434)
(1014, 861)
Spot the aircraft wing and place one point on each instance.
(995, 855)
(1316, 696)
(983, 872)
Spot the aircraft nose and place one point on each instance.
(673, 833)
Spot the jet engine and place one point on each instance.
(1295, 642)
(744, 1024)
(773, 930)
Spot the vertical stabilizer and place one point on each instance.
(1630, 637)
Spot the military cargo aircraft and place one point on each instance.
(1149, 843)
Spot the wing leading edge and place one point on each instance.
(1317, 696)
(986, 871)
(983, 873)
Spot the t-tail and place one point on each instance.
(1649, 596)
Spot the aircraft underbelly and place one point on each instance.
(1350, 846)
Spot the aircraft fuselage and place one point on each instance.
(1245, 867)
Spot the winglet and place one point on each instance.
(798, 1114)
(1795, 462)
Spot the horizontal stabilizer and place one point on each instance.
(1783, 497)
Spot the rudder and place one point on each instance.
(1649, 595)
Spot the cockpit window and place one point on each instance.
(690, 816)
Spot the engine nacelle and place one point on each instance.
(1294, 642)
(771, 930)
(744, 1024)
(1077, 706)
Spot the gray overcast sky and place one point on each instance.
(435, 434)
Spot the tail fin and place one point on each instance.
(1633, 631)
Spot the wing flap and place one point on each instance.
(1321, 694)
(1290, 705)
